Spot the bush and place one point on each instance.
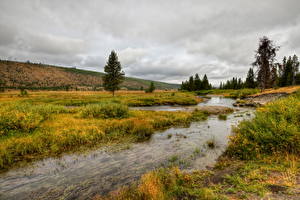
(222, 117)
(105, 111)
(23, 92)
(275, 129)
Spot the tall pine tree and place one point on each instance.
(264, 60)
(113, 76)
(205, 83)
(197, 82)
(250, 80)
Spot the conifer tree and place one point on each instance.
(197, 82)
(191, 84)
(113, 76)
(264, 60)
(151, 88)
(250, 80)
(205, 83)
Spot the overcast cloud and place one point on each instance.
(160, 40)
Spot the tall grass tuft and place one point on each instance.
(105, 111)
(25, 117)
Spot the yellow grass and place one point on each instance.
(288, 90)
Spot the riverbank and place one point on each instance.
(260, 99)
(261, 162)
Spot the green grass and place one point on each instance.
(105, 111)
(74, 98)
(222, 117)
(241, 93)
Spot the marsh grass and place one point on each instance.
(242, 93)
(34, 127)
(222, 117)
(25, 117)
(80, 98)
(105, 111)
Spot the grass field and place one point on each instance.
(79, 98)
(42, 124)
(261, 162)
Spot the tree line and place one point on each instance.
(269, 73)
(195, 83)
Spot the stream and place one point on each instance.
(83, 175)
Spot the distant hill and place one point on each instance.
(41, 76)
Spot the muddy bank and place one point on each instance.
(215, 110)
(259, 100)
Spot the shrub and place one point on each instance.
(105, 111)
(275, 129)
(222, 117)
(23, 92)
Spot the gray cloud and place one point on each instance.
(161, 40)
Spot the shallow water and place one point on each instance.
(81, 176)
(212, 101)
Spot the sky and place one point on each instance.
(167, 40)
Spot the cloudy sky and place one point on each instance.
(165, 40)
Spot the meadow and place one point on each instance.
(35, 125)
(230, 93)
(261, 162)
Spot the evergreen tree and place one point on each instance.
(113, 76)
(264, 60)
(205, 83)
(234, 83)
(250, 80)
(151, 88)
(297, 79)
(197, 82)
(288, 71)
(221, 85)
(191, 84)
(183, 85)
(194, 84)
(274, 76)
